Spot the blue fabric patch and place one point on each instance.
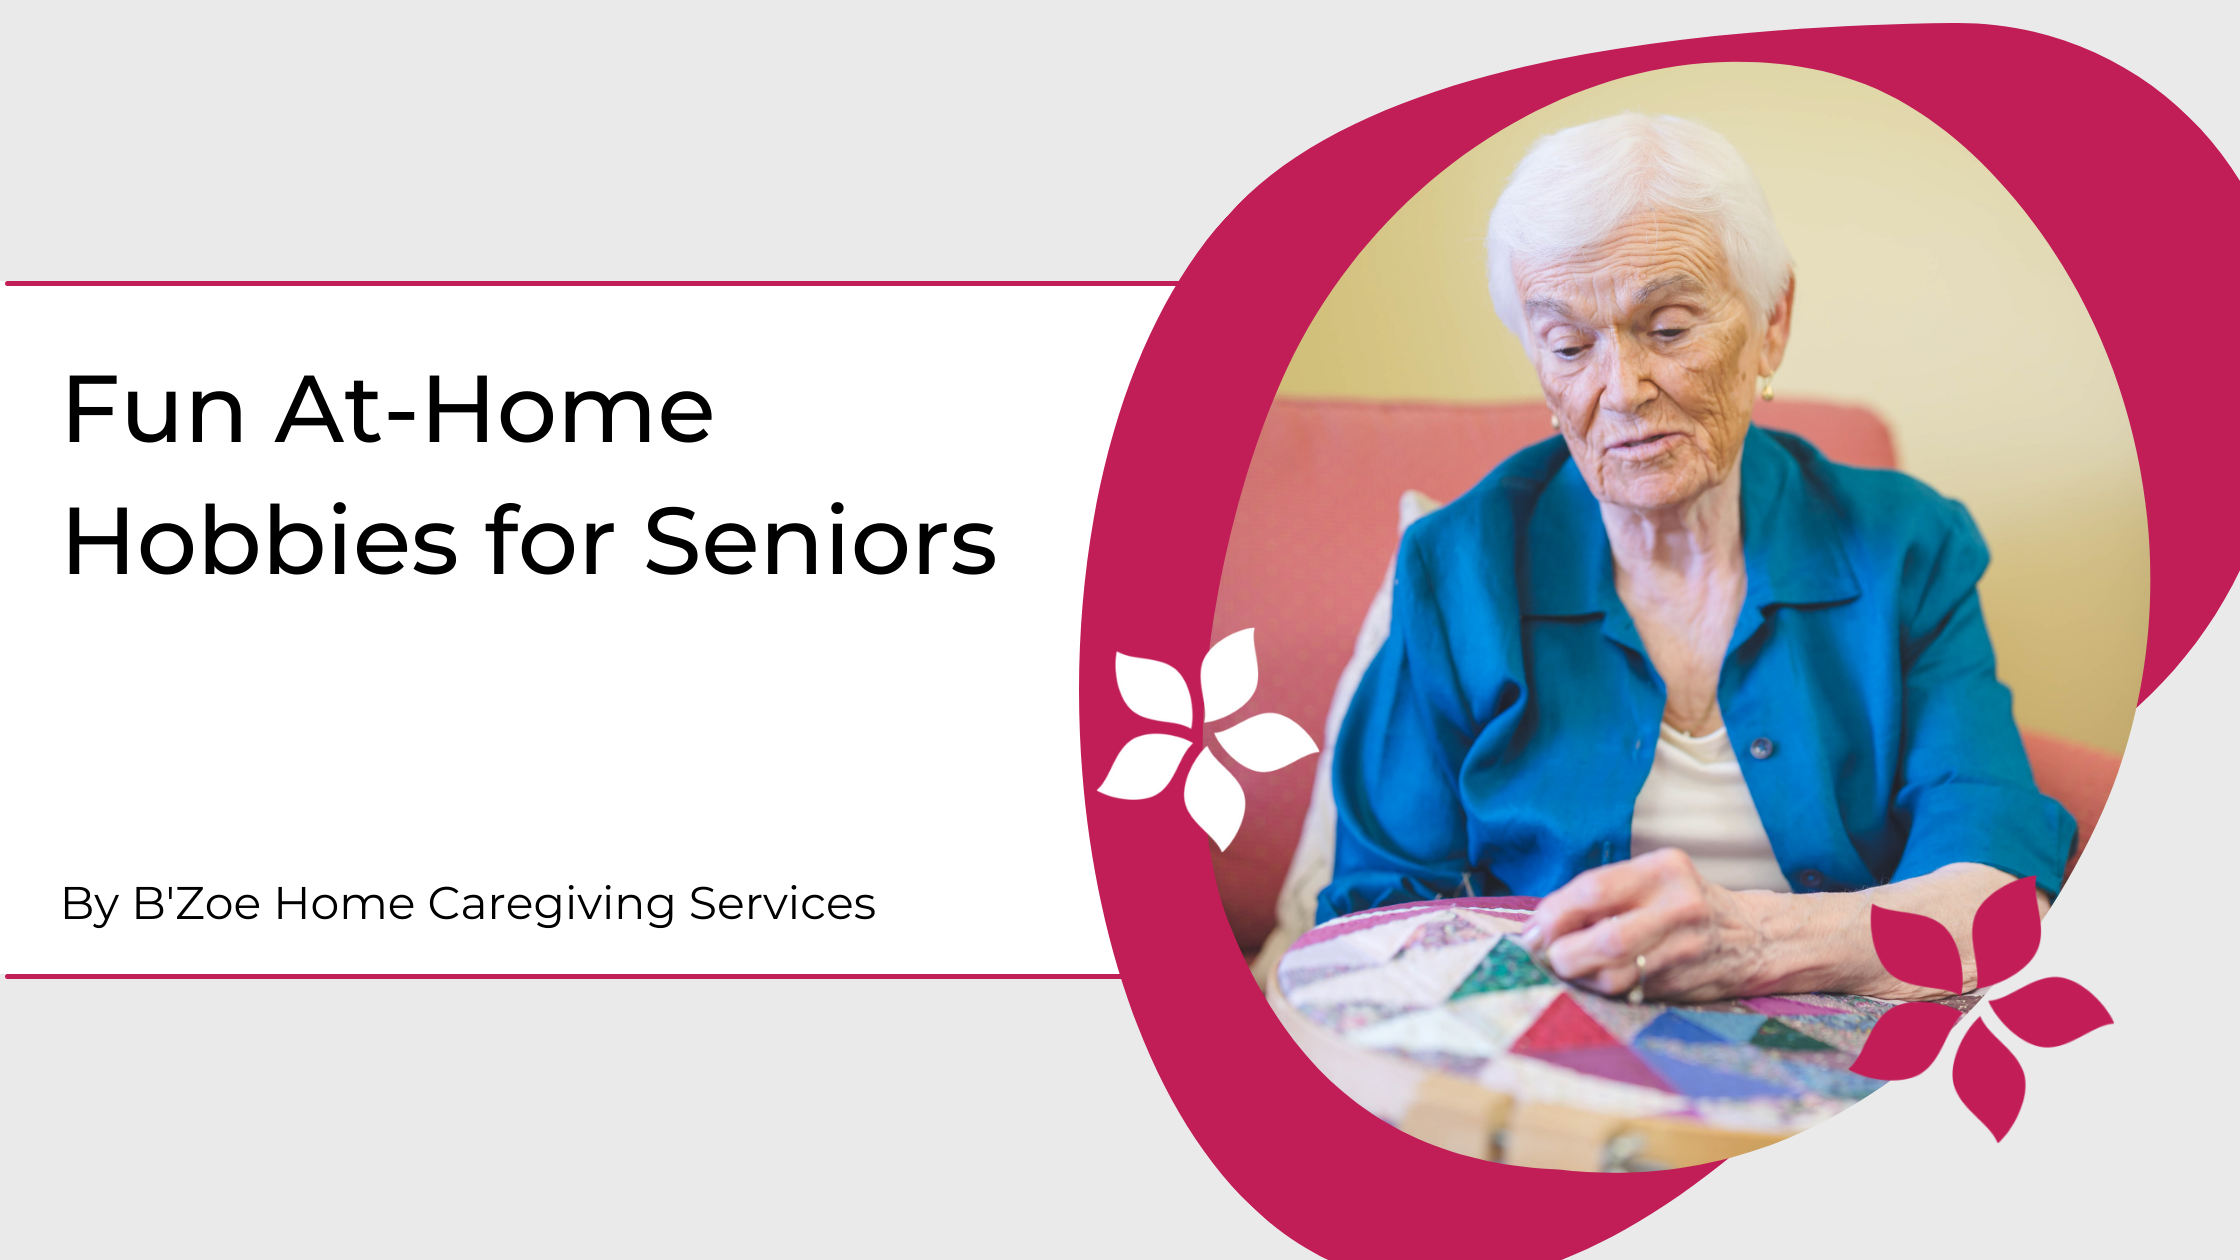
(1701, 1082)
(1725, 1025)
(1671, 1025)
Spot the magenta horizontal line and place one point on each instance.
(594, 284)
(555, 975)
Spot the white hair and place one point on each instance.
(1578, 186)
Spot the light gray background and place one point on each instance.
(862, 141)
(662, 141)
(607, 1118)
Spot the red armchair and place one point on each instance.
(1316, 526)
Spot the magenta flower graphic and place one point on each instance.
(1227, 677)
(2049, 1012)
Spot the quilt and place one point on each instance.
(1446, 985)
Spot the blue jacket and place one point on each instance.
(1508, 723)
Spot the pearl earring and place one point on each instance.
(1554, 421)
(1765, 389)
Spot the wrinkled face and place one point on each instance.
(1649, 357)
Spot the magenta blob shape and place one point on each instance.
(1323, 1170)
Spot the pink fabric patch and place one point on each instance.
(1612, 1063)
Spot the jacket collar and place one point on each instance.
(1792, 545)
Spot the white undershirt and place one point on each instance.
(1695, 801)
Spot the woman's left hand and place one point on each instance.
(1701, 941)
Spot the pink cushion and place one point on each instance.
(2077, 775)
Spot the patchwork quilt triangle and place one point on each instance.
(1775, 1035)
(1698, 1081)
(1731, 1027)
(1612, 1062)
(1670, 1025)
(1563, 1026)
(1506, 967)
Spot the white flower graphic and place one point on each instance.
(1227, 678)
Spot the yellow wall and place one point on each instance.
(1923, 292)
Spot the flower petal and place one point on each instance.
(2005, 932)
(1905, 1041)
(1214, 798)
(1266, 741)
(1987, 1078)
(1152, 689)
(2051, 1012)
(1144, 767)
(1229, 675)
(1916, 949)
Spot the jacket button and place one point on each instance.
(1761, 748)
(1811, 878)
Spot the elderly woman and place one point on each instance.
(1710, 694)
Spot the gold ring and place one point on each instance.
(1640, 978)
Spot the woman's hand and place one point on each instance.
(1701, 941)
